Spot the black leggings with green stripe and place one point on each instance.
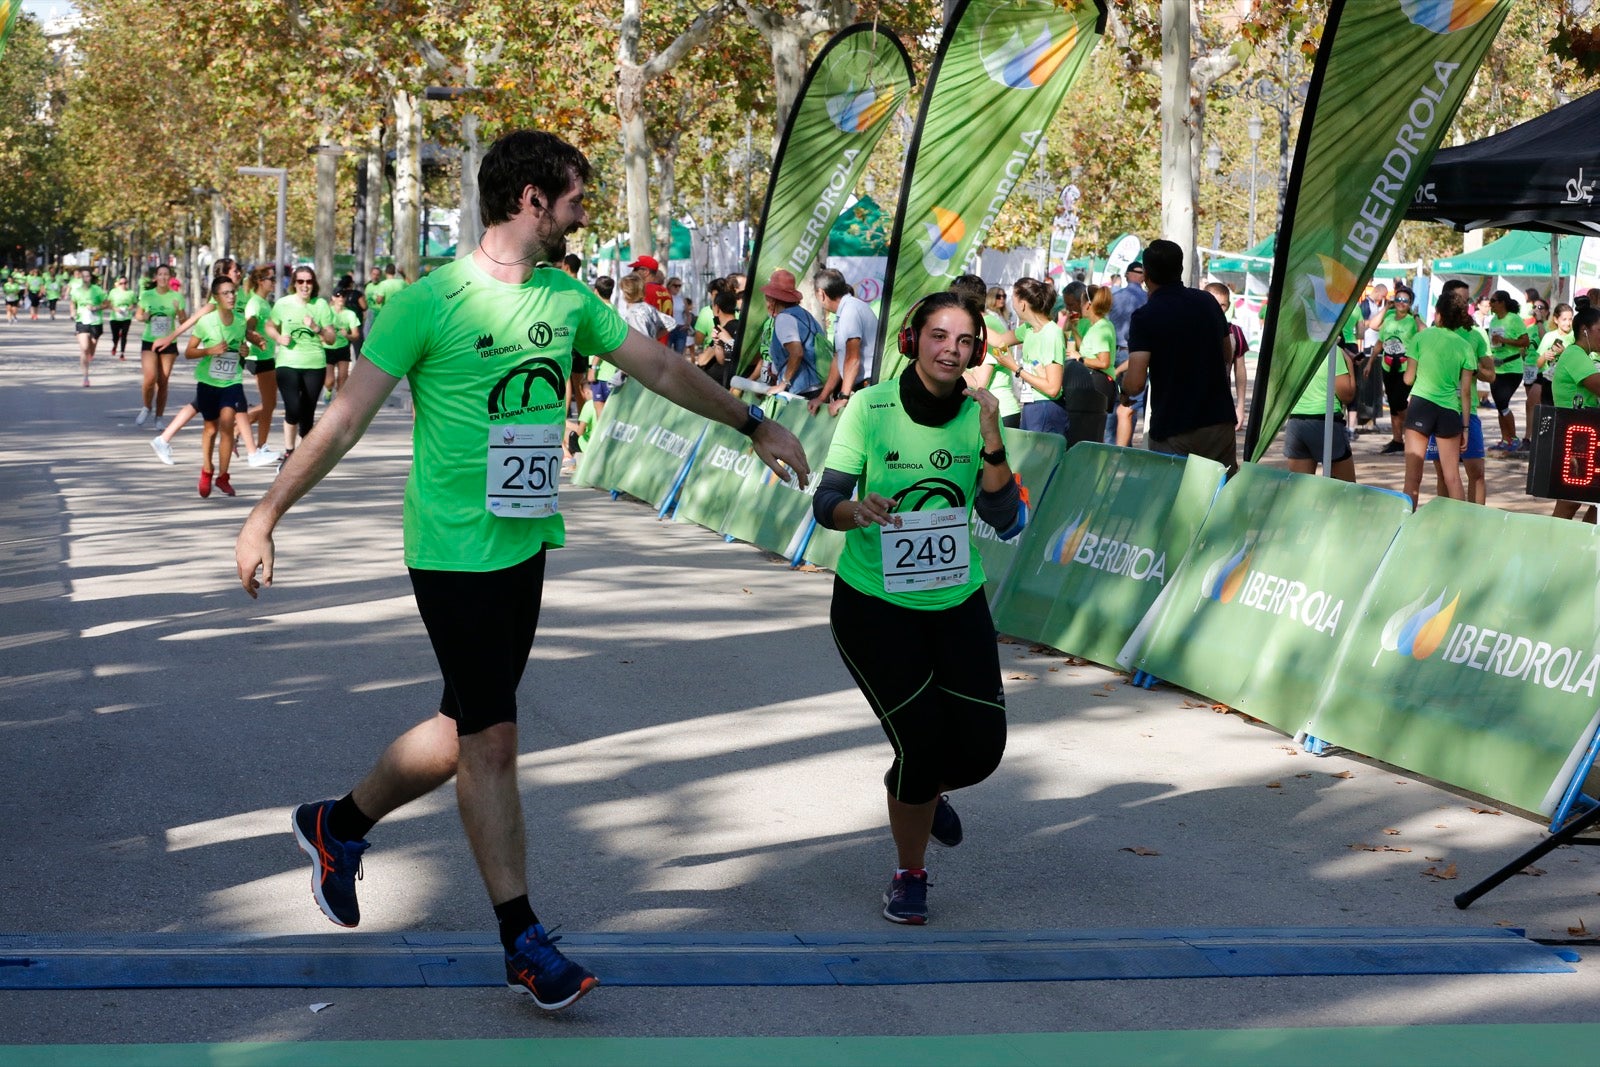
(933, 680)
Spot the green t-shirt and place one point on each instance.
(1507, 360)
(1042, 347)
(259, 308)
(1477, 339)
(122, 301)
(35, 282)
(86, 301)
(342, 320)
(1100, 337)
(586, 419)
(1000, 383)
(1441, 356)
(1314, 399)
(304, 351)
(1548, 342)
(52, 289)
(13, 289)
(1395, 328)
(163, 310)
(922, 468)
(482, 355)
(226, 368)
(705, 324)
(1566, 381)
(378, 296)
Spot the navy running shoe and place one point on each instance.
(946, 824)
(906, 899)
(335, 864)
(537, 968)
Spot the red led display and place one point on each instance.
(1565, 464)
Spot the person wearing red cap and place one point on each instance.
(654, 292)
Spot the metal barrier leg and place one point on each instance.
(1567, 835)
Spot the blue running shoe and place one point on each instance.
(946, 824)
(906, 899)
(335, 864)
(538, 969)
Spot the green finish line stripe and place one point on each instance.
(1388, 1046)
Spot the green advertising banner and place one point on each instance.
(1476, 656)
(720, 467)
(771, 513)
(1105, 540)
(1002, 70)
(639, 445)
(850, 96)
(9, 9)
(1256, 612)
(1388, 79)
(1033, 458)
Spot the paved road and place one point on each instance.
(695, 759)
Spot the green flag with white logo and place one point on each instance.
(851, 94)
(1001, 73)
(1388, 79)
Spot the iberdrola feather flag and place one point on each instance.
(851, 94)
(8, 21)
(1389, 77)
(1001, 73)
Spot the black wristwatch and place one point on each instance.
(753, 421)
(997, 457)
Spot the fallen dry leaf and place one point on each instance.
(1440, 826)
(809, 568)
(1446, 875)
(1054, 669)
(1221, 709)
(1434, 859)
(1102, 696)
(1005, 639)
(1290, 748)
(742, 590)
(1392, 832)
(1363, 847)
(1532, 871)
(1137, 851)
(1343, 774)
(1274, 785)
(1504, 922)
(1194, 704)
(1485, 811)
(1303, 774)
(1109, 686)
(1040, 648)
(1578, 931)
(1023, 676)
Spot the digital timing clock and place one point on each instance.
(1565, 464)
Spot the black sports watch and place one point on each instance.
(753, 421)
(997, 457)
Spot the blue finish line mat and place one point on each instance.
(228, 961)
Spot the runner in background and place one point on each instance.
(301, 325)
(219, 391)
(1304, 432)
(908, 570)
(122, 300)
(1396, 323)
(1439, 369)
(88, 304)
(259, 361)
(1097, 350)
(1037, 370)
(1508, 343)
(991, 374)
(34, 281)
(160, 309)
(346, 330)
(1241, 346)
(1535, 380)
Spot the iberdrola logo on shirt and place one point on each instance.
(513, 394)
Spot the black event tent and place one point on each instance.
(1543, 175)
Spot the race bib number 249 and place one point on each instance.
(928, 550)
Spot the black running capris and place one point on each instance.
(1502, 389)
(119, 332)
(481, 624)
(1395, 388)
(300, 390)
(933, 680)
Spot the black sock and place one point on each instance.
(515, 916)
(346, 822)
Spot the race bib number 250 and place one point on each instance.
(928, 550)
(524, 470)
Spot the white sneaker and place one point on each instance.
(161, 423)
(142, 418)
(262, 457)
(162, 449)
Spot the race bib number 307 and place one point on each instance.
(928, 550)
(524, 470)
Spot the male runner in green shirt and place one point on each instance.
(487, 344)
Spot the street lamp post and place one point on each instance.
(1255, 159)
(283, 208)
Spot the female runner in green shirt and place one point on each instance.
(1575, 381)
(909, 615)
(1440, 368)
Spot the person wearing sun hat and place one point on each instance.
(792, 355)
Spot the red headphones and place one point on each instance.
(908, 336)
